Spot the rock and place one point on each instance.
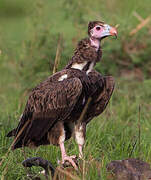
(129, 169)
(38, 161)
(66, 171)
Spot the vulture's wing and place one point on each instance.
(47, 104)
(104, 86)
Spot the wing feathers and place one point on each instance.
(49, 105)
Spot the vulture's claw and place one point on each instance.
(71, 160)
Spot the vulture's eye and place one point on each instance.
(98, 28)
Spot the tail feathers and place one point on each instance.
(11, 133)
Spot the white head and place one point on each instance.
(99, 30)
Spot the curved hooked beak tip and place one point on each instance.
(113, 32)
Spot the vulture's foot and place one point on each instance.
(71, 160)
(66, 158)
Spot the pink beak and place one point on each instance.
(113, 31)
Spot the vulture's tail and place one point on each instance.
(11, 133)
(19, 132)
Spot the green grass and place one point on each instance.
(110, 136)
(28, 42)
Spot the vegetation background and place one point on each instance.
(29, 33)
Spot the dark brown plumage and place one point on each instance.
(85, 52)
(54, 106)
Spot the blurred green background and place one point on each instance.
(29, 33)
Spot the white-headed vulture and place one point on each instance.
(55, 105)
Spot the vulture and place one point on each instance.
(54, 107)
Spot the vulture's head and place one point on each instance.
(100, 30)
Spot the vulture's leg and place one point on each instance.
(64, 155)
(57, 136)
(80, 137)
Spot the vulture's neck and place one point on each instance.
(87, 66)
(95, 42)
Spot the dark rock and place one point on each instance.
(38, 161)
(129, 169)
(59, 173)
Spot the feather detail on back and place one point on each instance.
(48, 103)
